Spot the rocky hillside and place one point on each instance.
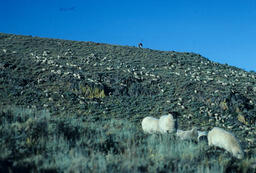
(102, 81)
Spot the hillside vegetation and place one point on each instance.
(69, 106)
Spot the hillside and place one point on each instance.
(98, 82)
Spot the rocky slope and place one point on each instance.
(102, 81)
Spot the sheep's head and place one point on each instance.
(194, 132)
(237, 152)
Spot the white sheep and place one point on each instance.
(150, 125)
(166, 124)
(187, 135)
(221, 138)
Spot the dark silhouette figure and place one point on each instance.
(140, 45)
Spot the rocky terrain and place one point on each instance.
(98, 82)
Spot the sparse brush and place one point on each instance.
(42, 142)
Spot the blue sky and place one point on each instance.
(222, 30)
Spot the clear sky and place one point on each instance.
(222, 30)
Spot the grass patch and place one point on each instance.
(33, 140)
(92, 92)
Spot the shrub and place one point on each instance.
(92, 92)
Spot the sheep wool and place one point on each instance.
(150, 125)
(187, 135)
(221, 138)
(167, 124)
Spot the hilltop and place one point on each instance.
(99, 82)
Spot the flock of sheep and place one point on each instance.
(217, 137)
